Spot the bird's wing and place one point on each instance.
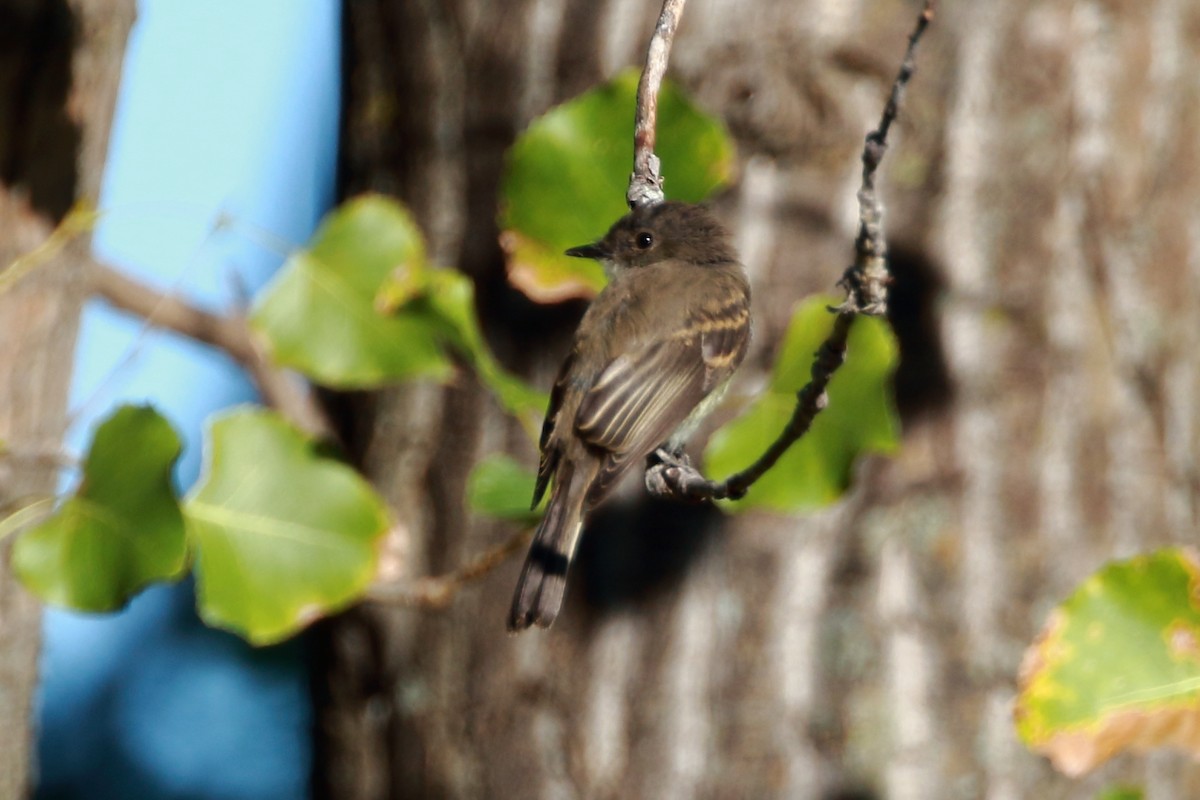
(643, 396)
(550, 455)
(639, 392)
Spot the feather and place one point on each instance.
(543, 581)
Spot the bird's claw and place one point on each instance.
(670, 474)
(671, 458)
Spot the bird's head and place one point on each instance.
(655, 233)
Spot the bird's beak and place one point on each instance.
(595, 250)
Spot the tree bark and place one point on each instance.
(59, 72)
(1042, 199)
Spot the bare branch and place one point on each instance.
(290, 396)
(646, 182)
(866, 285)
(869, 246)
(437, 591)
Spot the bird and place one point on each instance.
(651, 357)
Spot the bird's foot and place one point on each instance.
(670, 474)
(671, 458)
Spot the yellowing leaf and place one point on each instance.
(547, 276)
(1117, 666)
(566, 176)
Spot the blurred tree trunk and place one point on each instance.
(60, 64)
(1044, 210)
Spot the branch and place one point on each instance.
(292, 398)
(866, 285)
(437, 591)
(56, 459)
(646, 182)
(866, 293)
(869, 246)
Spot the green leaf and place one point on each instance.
(1117, 665)
(320, 315)
(122, 528)
(500, 487)
(566, 176)
(1121, 793)
(860, 417)
(282, 534)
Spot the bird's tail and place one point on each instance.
(543, 580)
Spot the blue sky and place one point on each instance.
(222, 156)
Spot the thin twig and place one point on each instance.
(23, 513)
(869, 246)
(289, 396)
(437, 591)
(646, 182)
(866, 285)
(79, 220)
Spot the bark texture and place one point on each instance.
(59, 68)
(1043, 199)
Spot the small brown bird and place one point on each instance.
(651, 356)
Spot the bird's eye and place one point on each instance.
(644, 240)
